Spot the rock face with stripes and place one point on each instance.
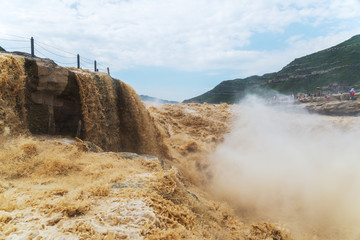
(41, 97)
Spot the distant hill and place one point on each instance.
(153, 99)
(1, 49)
(335, 69)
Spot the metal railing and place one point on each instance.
(44, 50)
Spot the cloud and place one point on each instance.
(181, 34)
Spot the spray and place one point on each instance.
(293, 168)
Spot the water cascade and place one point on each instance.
(43, 98)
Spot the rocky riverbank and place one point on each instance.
(338, 105)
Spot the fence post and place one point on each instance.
(95, 66)
(78, 61)
(32, 47)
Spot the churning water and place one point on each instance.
(295, 168)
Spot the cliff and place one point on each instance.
(39, 97)
(335, 69)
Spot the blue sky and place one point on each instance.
(178, 49)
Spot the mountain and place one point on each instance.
(1, 49)
(146, 98)
(335, 69)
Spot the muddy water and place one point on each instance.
(12, 97)
(270, 165)
(53, 187)
(40, 97)
(114, 117)
(56, 188)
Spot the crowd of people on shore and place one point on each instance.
(351, 95)
(311, 96)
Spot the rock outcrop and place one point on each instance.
(40, 97)
(338, 104)
(336, 108)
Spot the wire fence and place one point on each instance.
(12, 43)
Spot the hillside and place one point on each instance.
(335, 69)
(1, 49)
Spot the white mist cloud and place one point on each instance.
(292, 167)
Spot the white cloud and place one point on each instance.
(182, 34)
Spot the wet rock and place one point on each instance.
(338, 108)
(55, 100)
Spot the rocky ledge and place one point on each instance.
(339, 105)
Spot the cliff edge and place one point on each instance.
(39, 97)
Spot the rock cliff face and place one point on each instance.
(40, 97)
(52, 98)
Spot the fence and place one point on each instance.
(39, 48)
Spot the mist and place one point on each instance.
(295, 168)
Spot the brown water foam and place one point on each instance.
(107, 111)
(139, 132)
(50, 188)
(191, 132)
(55, 188)
(39, 96)
(96, 123)
(114, 116)
(12, 98)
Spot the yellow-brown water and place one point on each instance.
(224, 172)
(12, 97)
(112, 115)
(55, 188)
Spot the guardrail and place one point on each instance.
(39, 48)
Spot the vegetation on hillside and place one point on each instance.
(335, 69)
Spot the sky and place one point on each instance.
(177, 49)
